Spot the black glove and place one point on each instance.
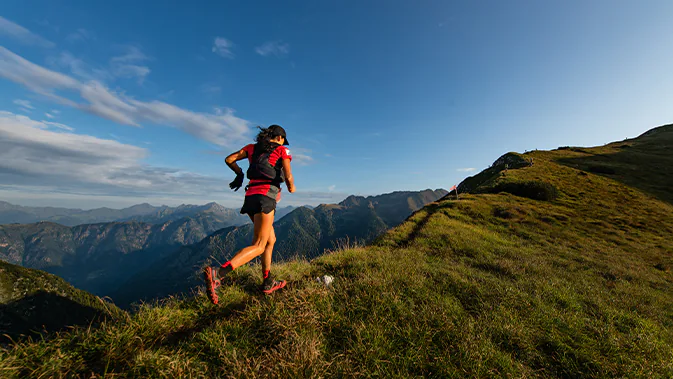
(238, 182)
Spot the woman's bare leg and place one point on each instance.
(268, 250)
(263, 230)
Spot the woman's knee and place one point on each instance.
(260, 242)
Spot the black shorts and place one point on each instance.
(254, 204)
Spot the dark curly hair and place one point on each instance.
(263, 139)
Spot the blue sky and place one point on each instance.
(117, 103)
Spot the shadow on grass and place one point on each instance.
(96, 362)
(204, 321)
(42, 313)
(431, 209)
(645, 166)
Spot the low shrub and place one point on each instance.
(600, 169)
(532, 189)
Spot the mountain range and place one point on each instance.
(17, 214)
(554, 264)
(100, 258)
(303, 234)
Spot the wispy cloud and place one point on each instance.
(210, 88)
(132, 71)
(222, 47)
(47, 24)
(82, 163)
(132, 54)
(79, 68)
(22, 34)
(24, 103)
(331, 188)
(129, 65)
(277, 48)
(80, 35)
(467, 169)
(52, 114)
(59, 126)
(220, 128)
(84, 168)
(301, 156)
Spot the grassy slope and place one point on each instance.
(490, 285)
(303, 234)
(35, 301)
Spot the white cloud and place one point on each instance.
(222, 47)
(301, 156)
(79, 68)
(301, 159)
(11, 118)
(24, 103)
(106, 104)
(49, 115)
(132, 71)
(277, 48)
(57, 125)
(132, 54)
(34, 77)
(467, 169)
(211, 88)
(129, 65)
(80, 35)
(44, 161)
(221, 128)
(33, 154)
(22, 34)
(331, 188)
(55, 111)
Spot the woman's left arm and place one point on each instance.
(289, 179)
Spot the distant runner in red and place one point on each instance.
(269, 167)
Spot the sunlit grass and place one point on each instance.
(491, 285)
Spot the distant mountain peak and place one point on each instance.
(352, 201)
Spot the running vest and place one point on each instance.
(261, 169)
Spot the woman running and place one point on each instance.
(269, 167)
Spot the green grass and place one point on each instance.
(492, 285)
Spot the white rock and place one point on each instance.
(326, 280)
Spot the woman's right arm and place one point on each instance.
(233, 158)
(289, 180)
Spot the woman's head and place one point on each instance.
(274, 133)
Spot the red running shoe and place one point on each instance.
(212, 282)
(269, 286)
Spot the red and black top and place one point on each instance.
(281, 152)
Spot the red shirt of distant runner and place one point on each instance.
(281, 152)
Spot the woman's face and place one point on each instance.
(279, 140)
